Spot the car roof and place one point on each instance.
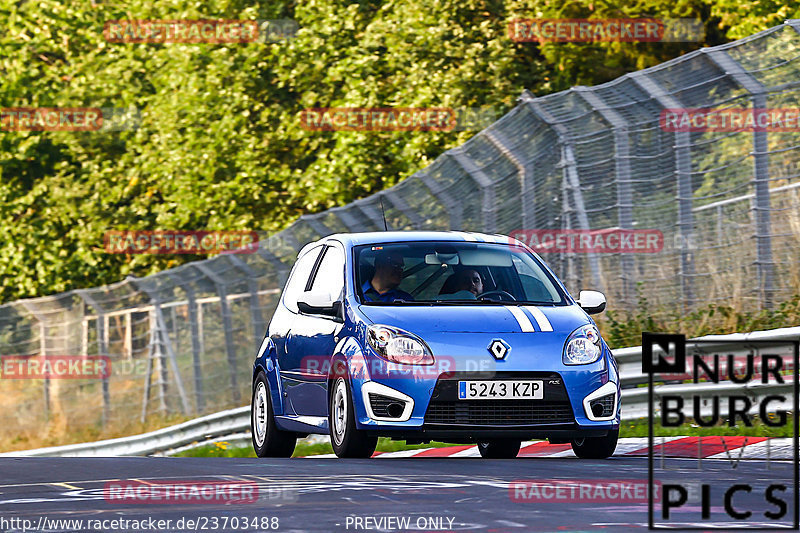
(383, 237)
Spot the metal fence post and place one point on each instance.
(43, 351)
(762, 207)
(570, 169)
(162, 335)
(524, 166)
(281, 269)
(255, 308)
(194, 331)
(227, 325)
(102, 347)
(622, 181)
(683, 173)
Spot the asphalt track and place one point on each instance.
(330, 494)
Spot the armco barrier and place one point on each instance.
(234, 423)
(200, 429)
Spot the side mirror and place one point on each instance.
(592, 302)
(320, 303)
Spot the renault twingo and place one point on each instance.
(420, 336)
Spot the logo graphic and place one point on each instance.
(499, 348)
(658, 343)
(715, 385)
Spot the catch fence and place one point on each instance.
(181, 342)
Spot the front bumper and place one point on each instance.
(436, 411)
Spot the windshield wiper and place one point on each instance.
(397, 302)
(473, 302)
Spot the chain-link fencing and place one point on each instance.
(180, 343)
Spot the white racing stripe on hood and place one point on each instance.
(541, 319)
(522, 318)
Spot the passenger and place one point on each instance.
(463, 284)
(469, 280)
(388, 276)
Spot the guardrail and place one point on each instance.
(235, 423)
(197, 430)
(630, 359)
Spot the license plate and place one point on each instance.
(501, 390)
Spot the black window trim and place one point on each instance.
(356, 250)
(315, 268)
(293, 273)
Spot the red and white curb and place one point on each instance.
(728, 447)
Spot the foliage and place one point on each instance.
(625, 329)
(220, 145)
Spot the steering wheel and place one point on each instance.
(504, 296)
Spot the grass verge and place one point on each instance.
(303, 449)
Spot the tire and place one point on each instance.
(499, 448)
(346, 439)
(596, 447)
(268, 439)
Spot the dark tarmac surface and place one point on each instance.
(413, 494)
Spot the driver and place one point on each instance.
(388, 276)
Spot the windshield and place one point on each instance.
(452, 273)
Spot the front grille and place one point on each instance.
(498, 412)
(607, 402)
(380, 405)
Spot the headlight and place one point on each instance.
(398, 346)
(583, 346)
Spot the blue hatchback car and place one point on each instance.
(419, 336)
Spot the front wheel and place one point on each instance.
(499, 448)
(268, 439)
(596, 447)
(346, 439)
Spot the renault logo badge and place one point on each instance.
(499, 349)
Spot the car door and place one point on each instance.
(286, 315)
(313, 338)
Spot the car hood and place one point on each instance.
(478, 318)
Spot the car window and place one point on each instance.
(330, 273)
(299, 277)
(531, 275)
(453, 272)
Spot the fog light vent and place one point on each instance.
(603, 406)
(385, 407)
